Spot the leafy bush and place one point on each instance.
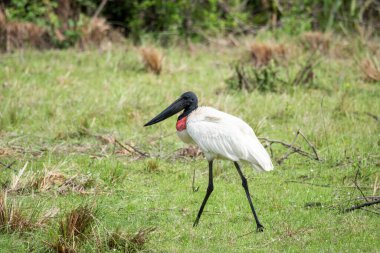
(249, 78)
(270, 75)
(195, 19)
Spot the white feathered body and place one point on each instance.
(221, 135)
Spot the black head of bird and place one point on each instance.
(188, 102)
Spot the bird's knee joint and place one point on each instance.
(210, 188)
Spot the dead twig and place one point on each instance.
(368, 203)
(293, 149)
(99, 9)
(371, 115)
(375, 117)
(131, 147)
(288, 153)
(310, 145)
(356, 183)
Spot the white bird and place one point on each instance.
(218, 135)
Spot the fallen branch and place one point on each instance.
(375, 117)
(370, 203)
(110, 139)
(132, 147)
(356, 183)
(371, 115)
(310, 145)
(99, 10)
(293, 149)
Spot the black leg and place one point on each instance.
(210, 188)
(260, 227)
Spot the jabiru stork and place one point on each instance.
(219, 135)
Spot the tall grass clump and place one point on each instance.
(152, 59)
(12, 219)
(73, 230)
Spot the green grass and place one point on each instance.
(53, 104)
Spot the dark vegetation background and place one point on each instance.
(62, 23)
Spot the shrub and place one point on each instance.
(249, 78)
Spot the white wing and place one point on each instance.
(221, 134)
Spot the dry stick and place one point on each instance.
(134, 149)
(292, 149)
(370, 203)
(311, 145)
(99, 9)
(375, 117)
(356, 183)
(295, 148)
(289, 150)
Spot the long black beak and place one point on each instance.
(174, 108)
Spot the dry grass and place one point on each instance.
(50, 180)
(3, 18)
(9, 152)
(153, 60)
(191, 151)
(316, 41)
(371, 69)
(98, 33)
(15, 35)
(76, 223)
(73, 229)
(263, 53)
(11, 217)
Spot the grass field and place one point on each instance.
(61, 111)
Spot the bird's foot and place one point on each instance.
(260, 228)
(196, 222)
